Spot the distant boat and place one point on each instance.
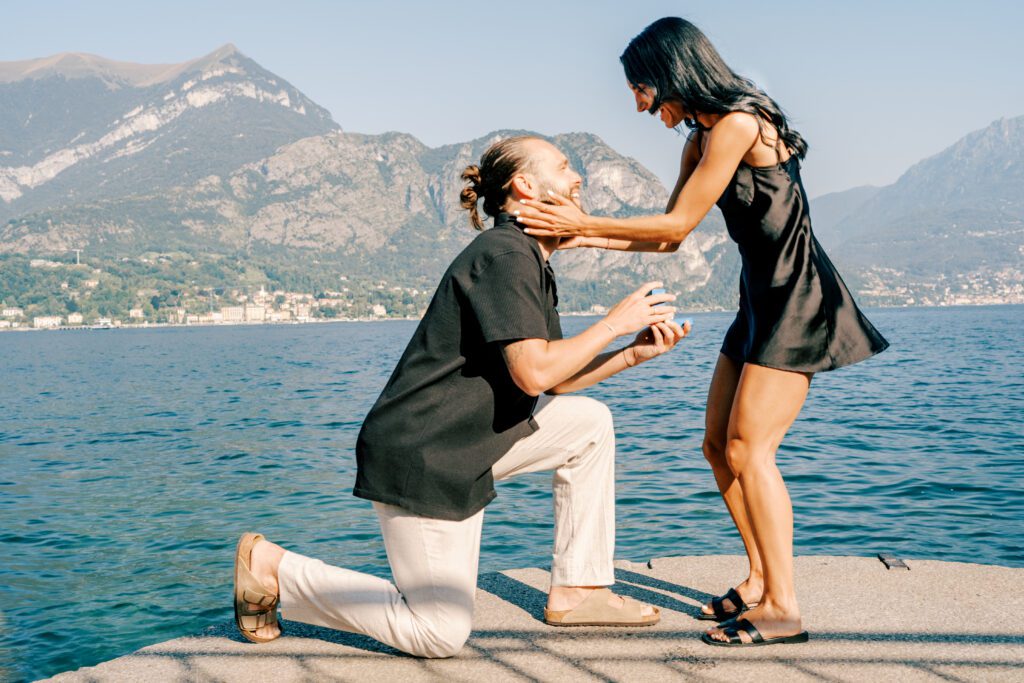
(103, 324)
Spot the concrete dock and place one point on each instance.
(939, 621)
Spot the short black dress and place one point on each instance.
(795, 311)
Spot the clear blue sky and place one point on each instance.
(874, 86)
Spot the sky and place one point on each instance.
(873, 86)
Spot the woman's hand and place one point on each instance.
(656, 340)
(561, 219)
(572, 243)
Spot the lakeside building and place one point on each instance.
(43, 322)
(136, 314)
(233, 314)
(75, 319)
(12, 312)
(279, 316)
(255, 313)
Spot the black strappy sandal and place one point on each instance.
(722, 614)
(732, 631)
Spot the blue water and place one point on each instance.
(132, 459)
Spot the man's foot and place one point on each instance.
(596, 605)
(263, 563)
(563, 598)
(749, 592)
(772, 621)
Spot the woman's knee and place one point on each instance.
(743, 455)
(714, 451)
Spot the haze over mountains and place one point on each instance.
(220, 156)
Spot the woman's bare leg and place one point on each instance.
(716, 426)
(767, 402)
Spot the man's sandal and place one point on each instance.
(595, 611)
(248, 590)
(722, 614)
(732, 632)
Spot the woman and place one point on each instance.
(795, 317)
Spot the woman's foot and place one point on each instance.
(562, 598)
(750, 592)
(263, 563)
(771, 620)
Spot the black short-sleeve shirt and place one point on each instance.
(450, 409)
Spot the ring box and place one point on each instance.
(659, 290)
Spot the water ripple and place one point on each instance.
(129, 485)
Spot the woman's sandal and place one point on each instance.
(722, 614)
(595, 611)
(732, 631)
(248, 590)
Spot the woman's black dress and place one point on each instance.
(795, 311)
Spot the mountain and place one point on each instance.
(76, 128)
(958, 211)
(222, 170)
(376, 207)
(828, 211)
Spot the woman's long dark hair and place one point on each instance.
(677, 61)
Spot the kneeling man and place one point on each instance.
(462, 410)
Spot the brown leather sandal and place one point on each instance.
(250, 591)
(595, 611)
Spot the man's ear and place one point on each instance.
(523, 187)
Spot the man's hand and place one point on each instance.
(638, 311)
(656, 340)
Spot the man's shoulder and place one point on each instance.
(498, 242)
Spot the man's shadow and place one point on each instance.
(628, 583)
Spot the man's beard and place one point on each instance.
(545, 198)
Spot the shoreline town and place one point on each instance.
(76, 324)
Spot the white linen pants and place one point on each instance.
(428, 610)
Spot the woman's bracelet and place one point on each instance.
(626, 358)
(610, 328)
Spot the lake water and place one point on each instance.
(132, 459)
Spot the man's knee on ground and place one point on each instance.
(441, 640)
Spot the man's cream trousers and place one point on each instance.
(428, 610)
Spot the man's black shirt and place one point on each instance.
(451, 409)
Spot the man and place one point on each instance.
(461, 410)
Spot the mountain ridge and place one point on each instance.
(72, 65)
(64, 142)
(973, 189)
(222, 157)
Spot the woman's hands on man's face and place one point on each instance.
(561, 219)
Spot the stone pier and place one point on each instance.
(939, 621)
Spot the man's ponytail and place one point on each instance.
(491, 181)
